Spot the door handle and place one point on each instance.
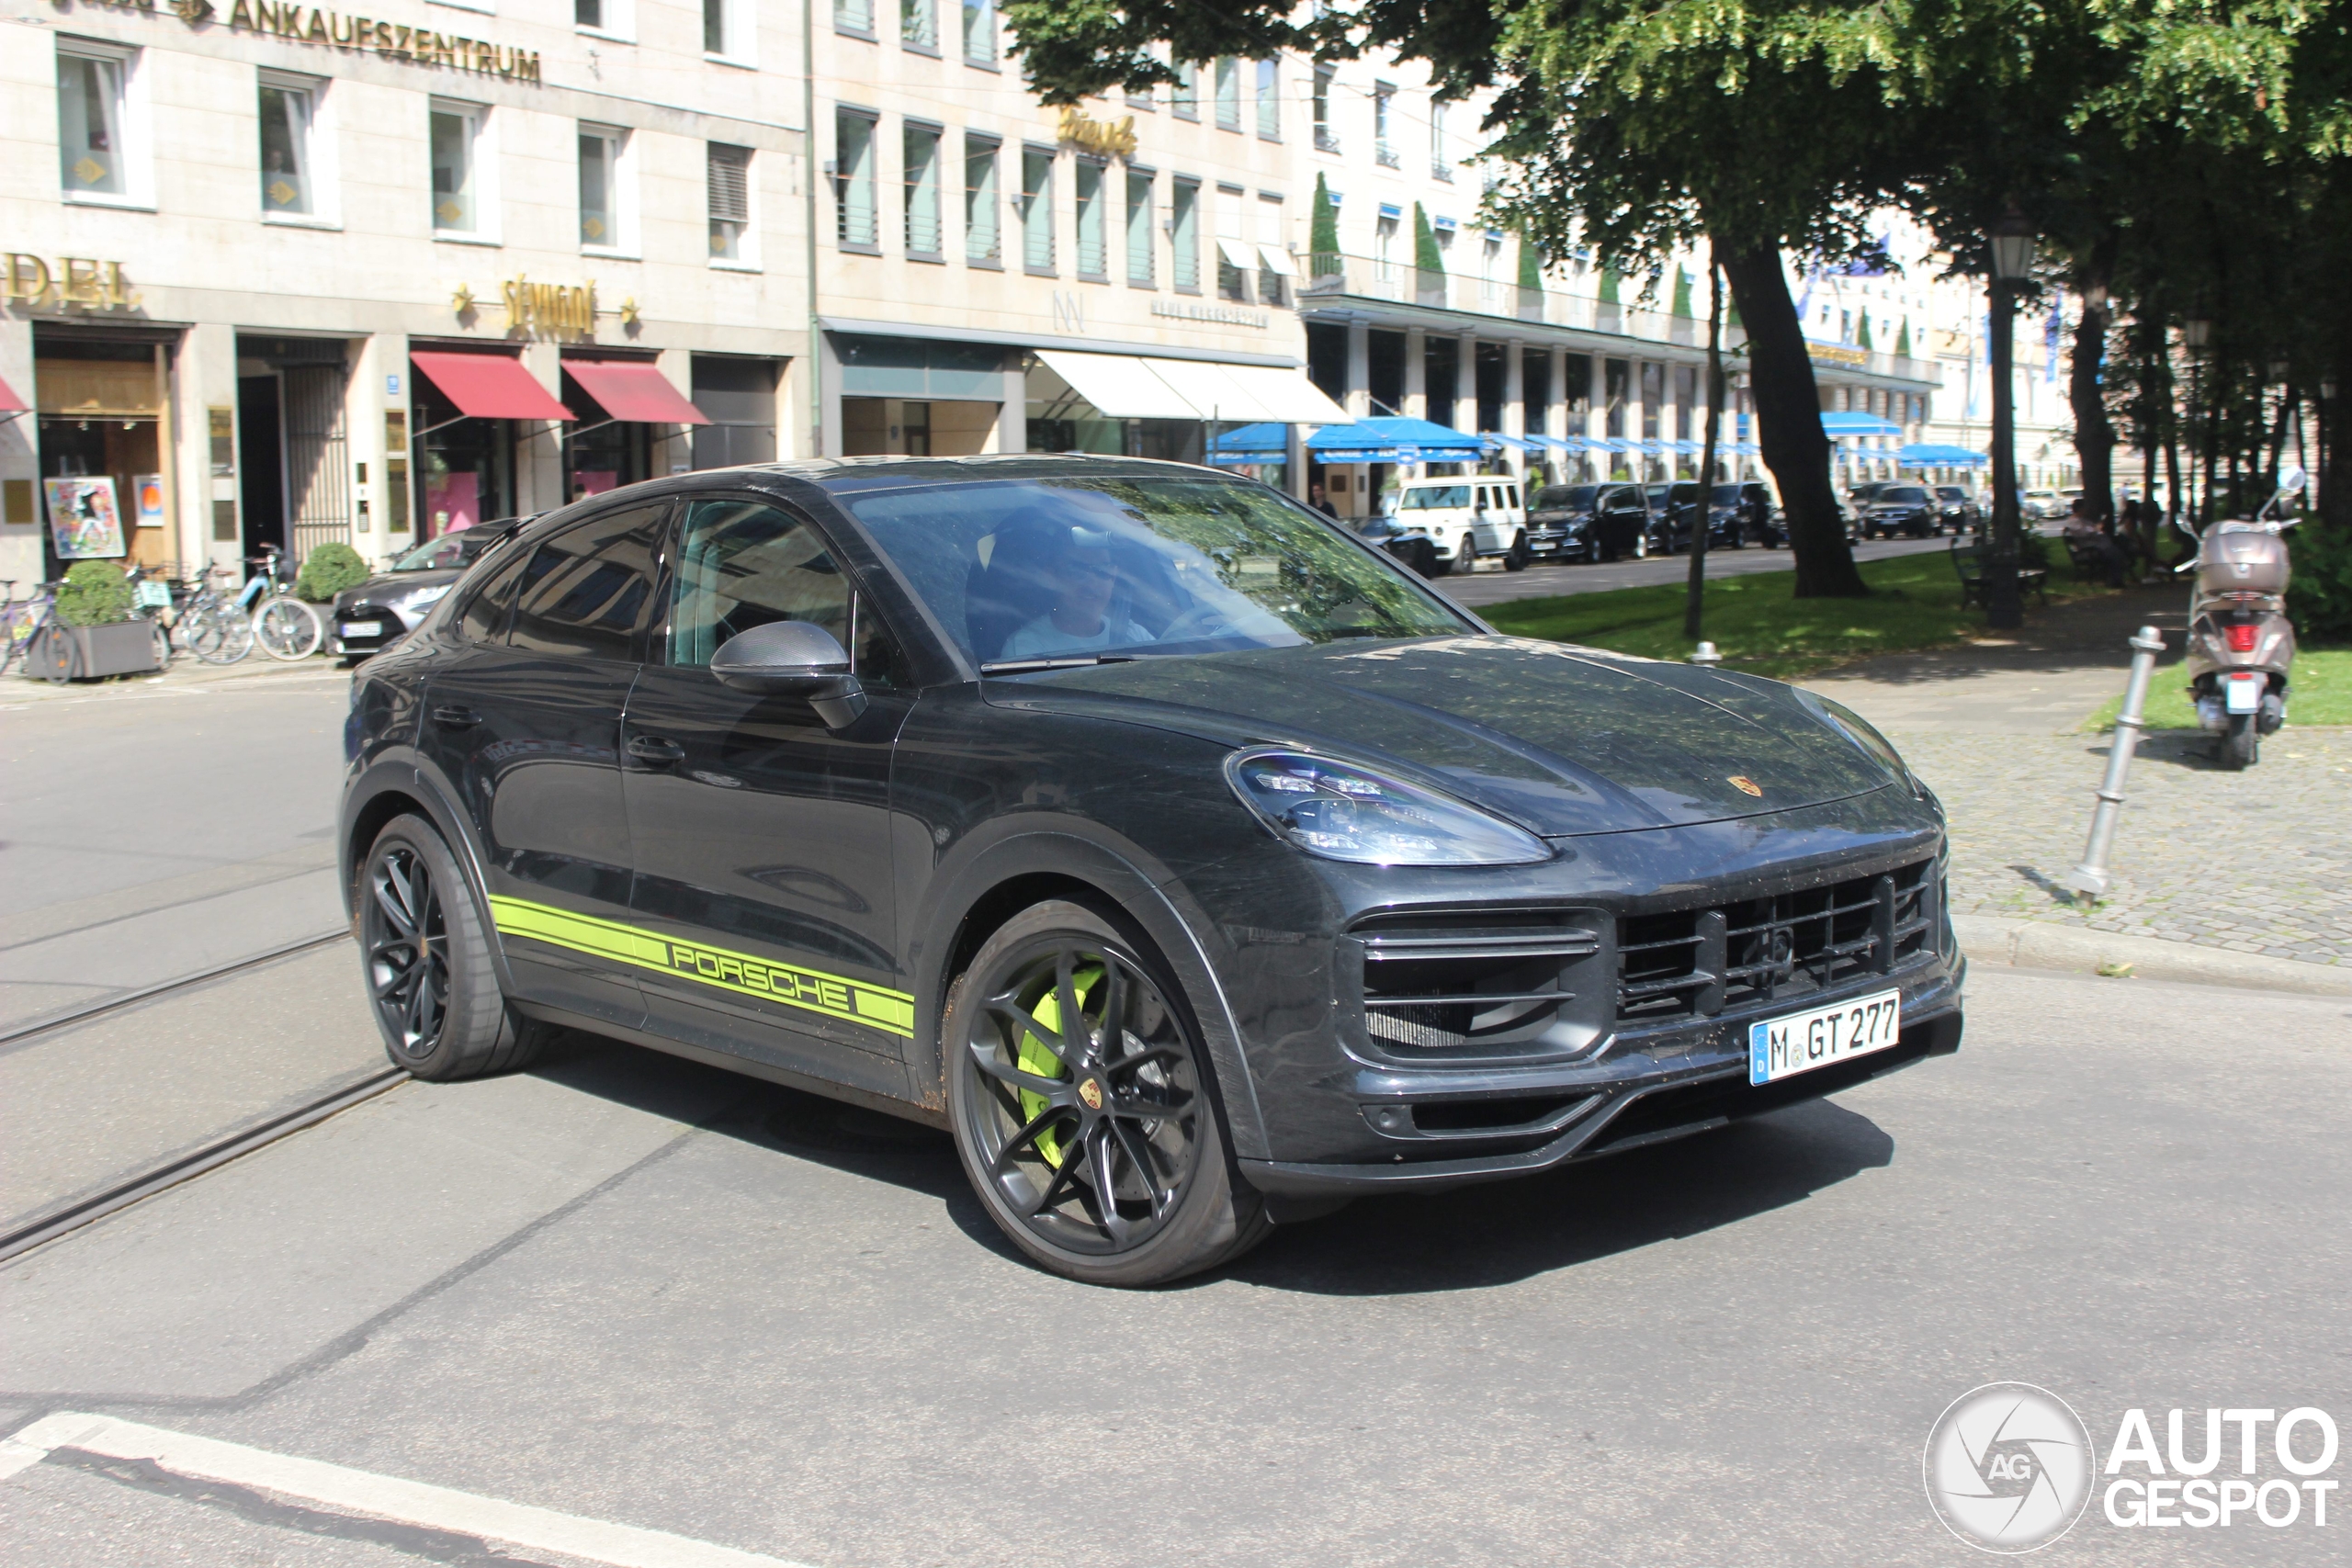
(654, 748)
(456, 718)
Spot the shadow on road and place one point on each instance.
(1459, 1240)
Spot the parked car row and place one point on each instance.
(1886, 508)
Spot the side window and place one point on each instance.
(484, 617)
(588, 589)
(744, 563)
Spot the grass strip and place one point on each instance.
(1759, 626)
(2320, 692)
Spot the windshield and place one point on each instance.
(1951, 492)
(1563, 497)
(1902, 495)
(1435, 496)
(1020, 569)
(436, 555)
(1727, 496)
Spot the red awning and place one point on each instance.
(489, 386)
(10, 402)
(634, 392)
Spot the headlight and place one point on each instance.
(425, 598)
(1347, 813)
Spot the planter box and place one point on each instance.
(125, 648)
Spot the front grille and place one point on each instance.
(1702, 962)
(1446, 982)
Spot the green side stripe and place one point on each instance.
(853, 1001)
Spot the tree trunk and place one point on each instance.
(1788, 418)
(2094, 434)
(1695, 590)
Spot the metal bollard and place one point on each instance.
(2091, 875)
(1706, 655)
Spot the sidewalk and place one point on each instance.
(188, 676)
(2258, 862)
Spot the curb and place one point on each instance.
(2041, 944)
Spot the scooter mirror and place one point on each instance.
(2291, 480)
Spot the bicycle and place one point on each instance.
(286, 627)
(20, 621)
(212, 625)
(152, 601)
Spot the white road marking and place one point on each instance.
(376, 1496)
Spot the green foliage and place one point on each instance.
(95, 594)
(2322, 695)
(1862, 333)
(2319, 600)
(1530, 263)
(328, 571)
(1903, 340)
(1426, 255)
(1682, 293)
(1323, 232)
(1611, 282)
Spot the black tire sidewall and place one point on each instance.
(1218, 1215)
(476, 1021)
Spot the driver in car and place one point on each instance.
(1084, 580)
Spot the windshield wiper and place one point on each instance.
(1067, 661)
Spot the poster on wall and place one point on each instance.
(147, 499)
(84, 520)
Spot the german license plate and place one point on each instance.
(361, 629)
(2243, 693)
(1783, 1048)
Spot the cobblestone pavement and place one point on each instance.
(2258, 861)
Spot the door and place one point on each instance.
(762, 838)
(525, 726)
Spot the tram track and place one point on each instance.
(45, 1226)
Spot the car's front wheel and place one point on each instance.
(431, 981)
(1083, 1106)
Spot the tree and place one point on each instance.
(1427, 258)
(1903, 340)
(1323, 232)
(1863, 333)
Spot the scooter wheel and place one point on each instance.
(2241, 745)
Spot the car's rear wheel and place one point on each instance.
(1518, 558)
(1083, 1105)
(430, 980)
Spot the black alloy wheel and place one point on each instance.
(431, 979)
(1079, 1094)
(1518, 557)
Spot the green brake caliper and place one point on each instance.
(1035, 1057)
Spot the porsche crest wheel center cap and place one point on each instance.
(1091, 1092)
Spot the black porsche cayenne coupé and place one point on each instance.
(1192, 861)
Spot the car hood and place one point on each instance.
(1562, 740)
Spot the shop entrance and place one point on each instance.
(102, 441)
(293, 452)
(915, 427)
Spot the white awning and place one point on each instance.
(1236, 255)
(1127, 386)
(1120, 385)
(1277, 260)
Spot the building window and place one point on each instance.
(1269, 100)
(853, 17)
(588, 13)
(288, 113)
(600, 186)
(1139, 215)
(1273, 252)
(1441, 166)
(714, 26)
(1185, 98)
(921, 146)
(1094, 246)
(1037, 209)
(1184, 234)
(730, 202)
(983, 241)
(1325, 141)
(1234, 264)
(1384, 248)
(979, 31)
(1384, 112)
(854, 196)
(919, 24)
(457, 174)
(92, 106)
(1229, 94)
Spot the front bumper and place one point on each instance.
(1648, 1095)
(390, 628)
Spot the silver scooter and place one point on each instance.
(2240, 644)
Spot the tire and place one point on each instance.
(1517, 558)
(1043, 1139)
(1437, 568)
(286, 628)
(164, 649)
(219, 634)
(2242, 744)
(53, 656)
(427, 960)
(1423, 558)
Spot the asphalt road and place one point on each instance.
(1490, 585)
(643, 1293)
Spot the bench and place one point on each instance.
(1968, 559)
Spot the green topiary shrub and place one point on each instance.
(1323, 234)
(95, 594)
(328, 571)
(2319, 600)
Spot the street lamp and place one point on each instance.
(2012, 240)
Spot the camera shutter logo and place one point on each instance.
(2009, 1467)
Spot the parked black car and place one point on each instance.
(1381, 532)
(1726, 519)
(1908, 509)
(1957, 510)
(1193, 865)
(1561, 523)
(1743, 510)
(377, 613)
